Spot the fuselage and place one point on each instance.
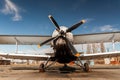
(62, 51)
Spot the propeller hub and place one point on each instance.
(62, 32)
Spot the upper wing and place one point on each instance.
(25, 56)
(78, 39)
(96, 37)
(23, 39)
(100, 55)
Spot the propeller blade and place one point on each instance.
(74, 51)
(39, 45)
(54, 22)
(75, 26)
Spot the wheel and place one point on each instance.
(86, 67)
(41, 68)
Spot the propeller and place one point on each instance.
(63, 33)
(39, 45)
(75, 26)
(54, 22)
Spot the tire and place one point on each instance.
(41, 68)
(86, 67)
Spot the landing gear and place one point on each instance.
(45, 65)
(86, 67)
(41, 68)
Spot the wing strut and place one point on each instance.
(113, 45)
(16, 45)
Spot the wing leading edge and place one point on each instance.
(25, 56)
(100, 55)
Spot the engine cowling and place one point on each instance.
(68, 35)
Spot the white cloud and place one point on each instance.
(108, 28)
(105, 28)
(11, 8)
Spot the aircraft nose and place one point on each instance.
(60, 41)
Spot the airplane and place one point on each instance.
(62, 41)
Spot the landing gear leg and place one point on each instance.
(46, 66)
(85, 66)
(81, 64)
(42, 66)
(50, 64)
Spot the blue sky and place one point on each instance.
(30, 17)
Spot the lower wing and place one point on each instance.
(99, 55)
(45, 57)
(25, 56)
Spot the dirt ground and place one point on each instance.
(97, 73)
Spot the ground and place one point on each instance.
(97, 73)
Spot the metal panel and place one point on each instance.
(96, 38)
(24, 56)
(100, 55)
(23, 39)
